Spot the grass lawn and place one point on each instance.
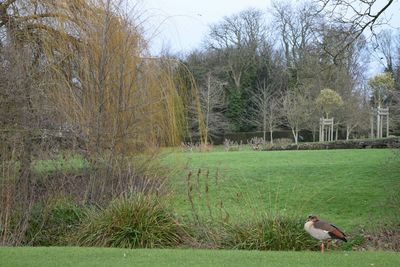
(349, 187)
(71, 256)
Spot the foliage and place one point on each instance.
(256, 143)
(138, 221)
(283, 141)
(230, 145)
(235, 109)
(382, 85)
(329, 101)
(51, 224)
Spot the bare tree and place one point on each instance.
(356, 114)
(296, 111)
(297, 29)
(266, 108)
(237, 38)
(385, 49)
(212, 102)
(356, 15)
(314, 114)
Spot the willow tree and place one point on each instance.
(97, 72)
(121, 99)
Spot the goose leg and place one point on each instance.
(322, 247)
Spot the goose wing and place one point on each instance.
(333, 231)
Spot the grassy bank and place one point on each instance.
(350, 187)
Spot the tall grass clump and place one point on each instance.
(269, 232)
(139, 221)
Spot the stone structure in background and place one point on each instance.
(382, 115)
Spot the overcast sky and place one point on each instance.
(181, 25)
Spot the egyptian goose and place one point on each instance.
(323, 230)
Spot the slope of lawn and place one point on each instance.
(70, 256)
(350, 187)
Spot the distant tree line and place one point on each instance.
(265, 71)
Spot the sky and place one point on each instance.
(179, 26)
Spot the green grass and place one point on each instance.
(72, 163)
(349, 187)
(71, 256)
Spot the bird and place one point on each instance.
(322, 230)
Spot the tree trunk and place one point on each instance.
(337, 133)
(313, 134)
(26, 161)
(295, 135)
(271, 137)
(264, 129)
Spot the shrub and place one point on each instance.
(231, 145)
(52, 223)
(256, 143)
(342, 144)
(277, 232)
(283, 141)
(140, 221)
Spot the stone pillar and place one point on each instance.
(378, 126)
(387, 123)
(372, 123)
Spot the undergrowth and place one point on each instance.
(139, 221)
(52, 223)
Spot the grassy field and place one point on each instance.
(353, 188)
(70, 256)
(350, 187)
